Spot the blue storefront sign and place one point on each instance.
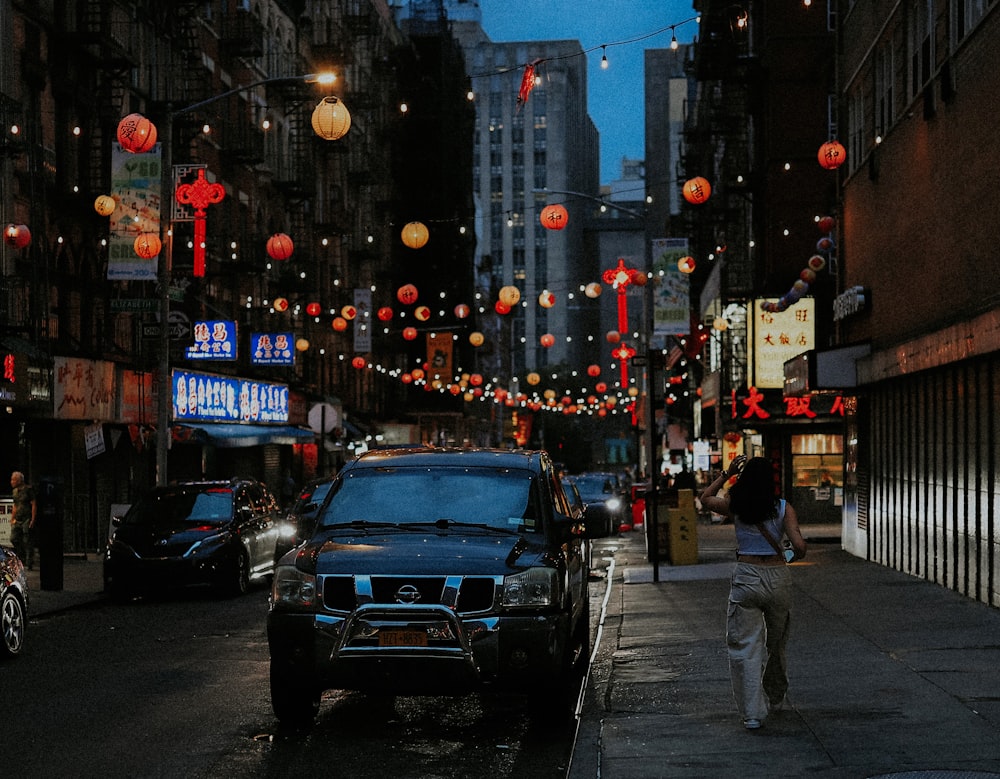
(208, 398)
(213, 340)
(272, 349)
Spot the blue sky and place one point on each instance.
(615, 100)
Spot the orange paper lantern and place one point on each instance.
(348, 312)
(147, 245)
(330, 119)
(407, 294)
(510, 295)
(546, 299)
(476, 338)
(339, 324)
(832, 155)
(686, 264)
(18, 236)
(104, 205)
(415, 235)
(409, 333)
(280, 304)
(136, 134)
(422, 313)
(554, 217)
(697, 190)
(280, 247)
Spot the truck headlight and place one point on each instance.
(293, 588)
(534, 587)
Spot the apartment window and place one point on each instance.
(884, 77)
(968, 13)
(919, 44)
(856, 145)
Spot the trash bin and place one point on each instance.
(49, 534)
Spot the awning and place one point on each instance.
(231, 436)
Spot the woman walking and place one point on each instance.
(757, 622)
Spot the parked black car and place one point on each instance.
(220, 533)
(435, 572)
(605, 508)
(297, 525)
(13, 603)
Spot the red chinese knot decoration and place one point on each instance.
(200, 194)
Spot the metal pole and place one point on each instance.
(164, 394)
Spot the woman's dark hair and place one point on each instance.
(752, 498)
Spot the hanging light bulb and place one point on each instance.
(673, 40)
(604, 58)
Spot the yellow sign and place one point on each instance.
(777, 336)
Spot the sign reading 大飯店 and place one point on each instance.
(204, 397)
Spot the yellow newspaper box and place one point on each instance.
(679, 529)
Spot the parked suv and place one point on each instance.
(433, 571)
(221, 533)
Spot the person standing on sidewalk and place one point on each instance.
(758, 616)
(22, 520)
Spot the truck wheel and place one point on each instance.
(293, 700)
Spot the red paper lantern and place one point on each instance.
(461, 311)
(407, 294)
(547, 340)
(554, 217)
(385, 313)
(593, 370)
(314, 309)
(639, 278)
(406, 378)
(476, 379)
(826, 224)
(501, 308)
(686, 264)
(339, 324)
(18, 236)
(601, 387)
(612, 336)
(697, 190)
(147, 245)
(136, 134)
(280, 247)
(358, 362)
(409, 333)
(832, 155)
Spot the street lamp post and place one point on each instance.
(166, 135)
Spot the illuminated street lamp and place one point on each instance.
(167, 199)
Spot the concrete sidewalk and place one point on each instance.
(83, 582)
(890, 675)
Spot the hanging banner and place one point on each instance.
(83, 389)
(672, 297)
(135, 186)
(439, 351)
(363, 321)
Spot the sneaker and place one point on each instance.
(751, 724)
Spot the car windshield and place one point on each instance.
(311, 497)
(497, 498)
(594, 487)
(183, 508)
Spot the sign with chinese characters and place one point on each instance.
(84, 389)
(778, 336)
(214, 340)
(272, 348)
(363, 322)
(207, 398)
(754, 405)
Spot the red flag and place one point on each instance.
(527, 83)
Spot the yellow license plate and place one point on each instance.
(402, 638)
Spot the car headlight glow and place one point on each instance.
(614, 504)
(292, 587)
(534, 587)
